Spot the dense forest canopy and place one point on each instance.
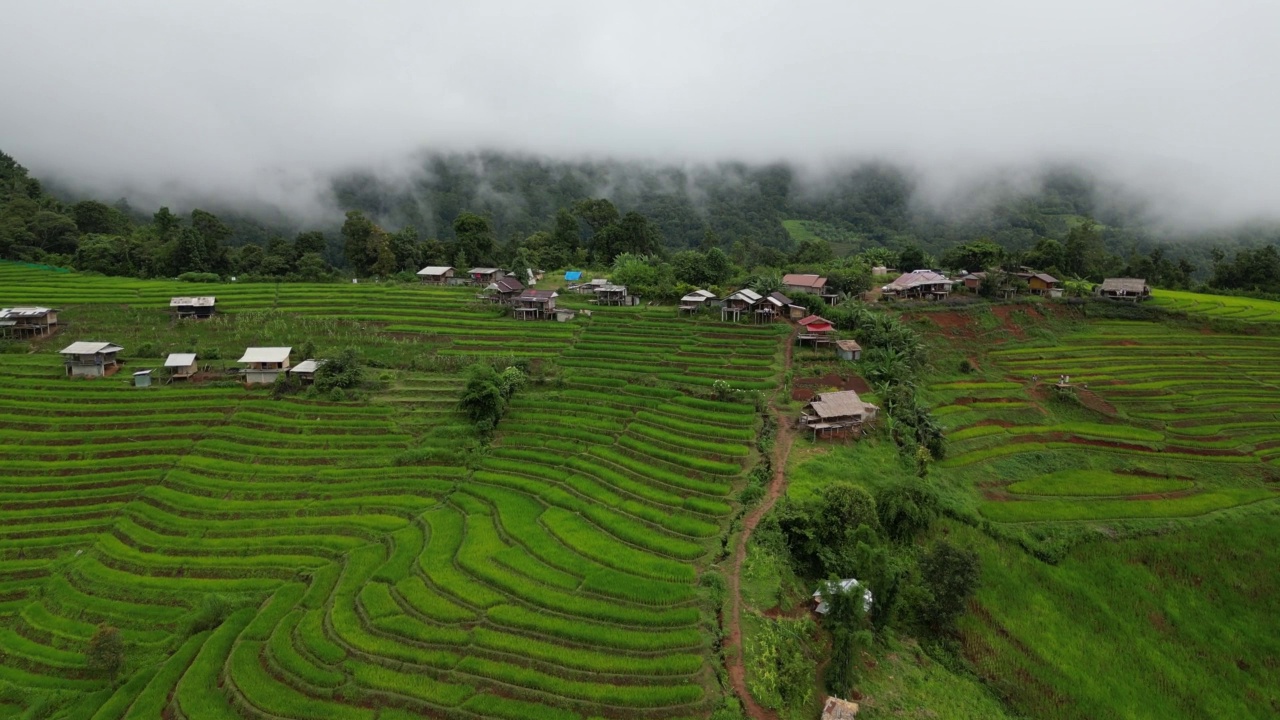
(524, 210)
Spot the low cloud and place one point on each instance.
(261, 103)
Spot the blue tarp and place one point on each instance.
(573, 275)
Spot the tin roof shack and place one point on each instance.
(835, 413)
(264, 364)
(816, 330)
(610, 294)
(306, 370)
(848, 350)
(837, 709)
(924, 284)
(181, 366)
(91, 359)
(142, 378)
(484, 277)
(1132, 289)
(589, 287)
(25, 322)
(787, 308)
(972, 281)
(844, 586)
(1039, 283)
(200, 308)
(536, 305)
(436, 274)
(505, 291)
(808, 283)
(695, 301)
(741, 303)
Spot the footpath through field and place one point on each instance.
(778, 485)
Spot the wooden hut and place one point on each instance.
(264, 364)
(741, 303)
(90, 359)
(181, 366)
(436, 274)
(836, 413)
(815, 329)
(142, 378)
(837, 709)
(1131, 289)
(485, 276)
(695, 301)
(27, 322)
(810, 284)
(922, 284)
(610, 294)
(200, 308)
(848, 350)
(505, 291)
(787, 308)
(536, 305)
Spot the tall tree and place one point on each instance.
(356, 232)
(475, 238)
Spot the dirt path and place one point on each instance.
(733, 648)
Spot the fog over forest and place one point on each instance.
(253, 104)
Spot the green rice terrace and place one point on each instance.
(312, 556)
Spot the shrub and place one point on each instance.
(106, 650)
(199, 277)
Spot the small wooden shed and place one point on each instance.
(848, 350)
(1132, 289)
(142, 378)
(91, 359)
(436, 274)
(181, 366)
(736, 305)
(305, 371)
(695, 301)
(21, 322)
(193, 307)
(835, 413)
(262, 365)
(610, 294)
(536, 304)
(485, 276)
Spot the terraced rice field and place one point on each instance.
(1218, 306)
(293, 558)
(1172, 424)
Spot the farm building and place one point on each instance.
(142, 378)
(848, 350)
(436, 274)
(91, 359)
(785, 307)
(536, 305)
(21, 322)
(815, 329)
(485, 276)
(837, 709)
(1039, 283)
(741, 303)
(181, 366)
(835, 412)
(589, 287)
(264, 364)
(925, 284)
(505, 290)
(695, 301)
(844, 586)
(305, 370)
(610, 294)
(972, 281)
(193, 307)
(807, 283)
(1133, 289)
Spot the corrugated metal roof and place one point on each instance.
(780, 298)
(1128, 285)
(179, 359)
(814, 320)
(698, 296)
(538, 295)
(89, 348)
(916, 278)
(202, 301)
(483, 271)
(844, 403)
(265, 354)
(612, 288)
(306, 366)
(747, 294)
(848, 345)
(24, 312)
(804, 280)
(435, 270)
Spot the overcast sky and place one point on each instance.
(260, 98)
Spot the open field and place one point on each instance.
(304, 558)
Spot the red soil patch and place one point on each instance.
(1005, 314)
(806, 388)
(1203, 452)
(953, 324)
(1138, 472)
(996, 496)
(1094, 402)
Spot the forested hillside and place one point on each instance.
(500, 208)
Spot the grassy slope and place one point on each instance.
(1142, 616)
